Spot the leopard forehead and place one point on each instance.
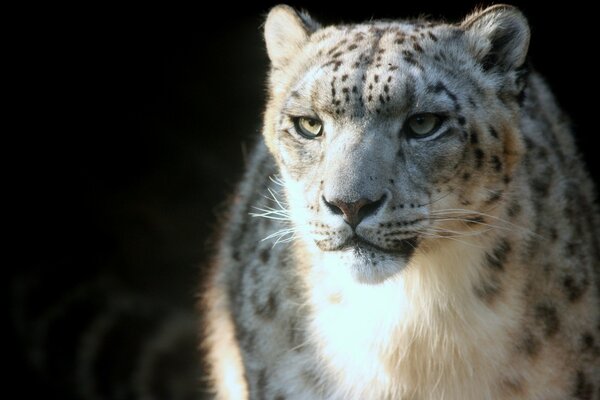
(379, 68)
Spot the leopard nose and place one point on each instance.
(354, 212)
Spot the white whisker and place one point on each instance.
(465, 213)
(433, 235)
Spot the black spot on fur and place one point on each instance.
(410, 60)
(493, 133)
(473, 136)
(432, 36)
(573, 288)
(497, 163)
(266, 308)
(583, 388)
(479, 156)
(547, 315)
(541, 185)
(587, 342)
(265, 255)
(514, 209)
(494, 197)
(529, 344)
(261, 384)
(499, 255)
(440, 87)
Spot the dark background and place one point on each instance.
(133, 122)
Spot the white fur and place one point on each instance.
(420, 335)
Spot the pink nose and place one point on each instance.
(354, 212)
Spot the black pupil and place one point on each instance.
(312, 123)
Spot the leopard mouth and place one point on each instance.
(362, 247)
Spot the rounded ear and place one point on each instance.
(501, 36)
(286, 31)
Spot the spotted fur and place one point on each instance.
(370, 263)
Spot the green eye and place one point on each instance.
(422, 125)
(310, 128)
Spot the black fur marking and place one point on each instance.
(493, 133)
(440, 87)
(261, 384)
(584, 390)
(514, 209)
(575, 289)
(479, 156)
(497, 163)
(494, 197)
(473, 136)
(265, 308)
(496, 260)
(265, 254)
(587, 342)
(530, 345)
(547, 315)
(410, 60)
(541, 185)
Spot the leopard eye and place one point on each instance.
(308, 127)
(422, 125)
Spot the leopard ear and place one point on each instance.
(499, 36)
(286, 31)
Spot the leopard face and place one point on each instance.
(392, 136)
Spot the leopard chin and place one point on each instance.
(371, 264)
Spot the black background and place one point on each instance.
(133, 122)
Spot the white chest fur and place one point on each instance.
(421, 335)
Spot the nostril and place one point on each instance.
(370, 208)
(332, 207)
(354, 212)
